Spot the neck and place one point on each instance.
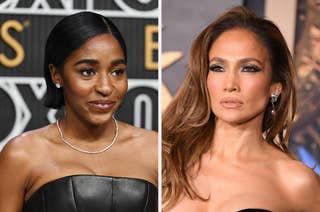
(233, 142)
(82, 130)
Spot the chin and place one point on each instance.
(239, 119)
(100, 119)
(230, 121)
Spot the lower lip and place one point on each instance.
(101, 107)
(231, 105)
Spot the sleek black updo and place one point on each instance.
(67, 36)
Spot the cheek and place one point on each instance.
(256, 88)
(256, 94)
(214, 85)
(121, 87)
(77, 88)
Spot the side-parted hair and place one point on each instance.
(188, 122)
(67, 36)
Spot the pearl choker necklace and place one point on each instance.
(86, 151)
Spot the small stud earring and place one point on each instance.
(274, 98)
(58, 85)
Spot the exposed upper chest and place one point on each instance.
(228, 196)
(235, 188)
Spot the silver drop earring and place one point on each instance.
(274, 98)
(57, 85)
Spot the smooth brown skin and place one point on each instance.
(36, 157)
(241, 170)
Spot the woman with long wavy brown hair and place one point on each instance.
(226, 131)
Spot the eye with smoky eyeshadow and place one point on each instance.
(250, 68)
(216, 68)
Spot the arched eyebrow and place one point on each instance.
(118, 62)
(217, 59)
(94, 62)
(86, 61)
(244, 60)
(250, 59)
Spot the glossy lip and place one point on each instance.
(102, 105)
(231, 103)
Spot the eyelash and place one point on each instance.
(251, 68)
(246, 68)
(216, 68)
(84, 72)
(91, 72)
(118, 72)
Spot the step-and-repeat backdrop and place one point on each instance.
(24, 27)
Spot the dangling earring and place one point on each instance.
(57, 85)
(274, 98)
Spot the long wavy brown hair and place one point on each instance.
(188, 122)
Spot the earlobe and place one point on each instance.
(55, 76)
(276, 88)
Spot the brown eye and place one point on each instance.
(216, 68)
(87, 72)
(251, 68)
(117, 72)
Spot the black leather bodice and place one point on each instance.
(90, 193)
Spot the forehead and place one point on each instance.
(237, 44)
(97, 45)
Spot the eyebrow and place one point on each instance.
(93, 62)
(118, 62)
(86, 61)
(244, 60)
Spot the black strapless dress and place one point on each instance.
(254, 210)
(91, 193)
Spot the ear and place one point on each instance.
(55, 75)
(276, 88)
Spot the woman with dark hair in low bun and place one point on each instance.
(86, 161)
(226, 131)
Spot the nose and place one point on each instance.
(104, 85)
(231, 81)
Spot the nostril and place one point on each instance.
(231, 84)
(231, 87)
(103, 87)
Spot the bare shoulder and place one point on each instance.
(138, 134)
(17, 161)
(299, 174)
(24, 148)
(300, 183)
(14, 152)
(140, 140)
(144, 144)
